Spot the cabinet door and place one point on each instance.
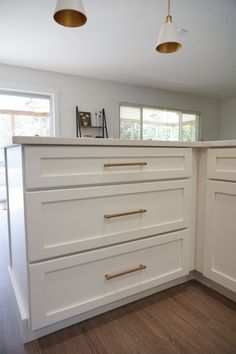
(220, 246)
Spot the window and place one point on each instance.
(158, 124)
(22, 114)
(130, 122)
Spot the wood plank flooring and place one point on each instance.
(189, 318)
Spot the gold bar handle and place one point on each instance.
(115, 275)
(125, 164)
(110, 216)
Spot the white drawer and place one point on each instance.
(66, 221)
(65, 287)
(84, 165)
(221, 164)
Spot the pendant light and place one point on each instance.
(70, 13)
(168, 41)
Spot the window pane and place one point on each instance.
(130, 123)
(23, 115)
(157, 124)
(189, 126)
(160, 124)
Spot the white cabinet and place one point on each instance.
(94, 226)
(220, 236)
(100, 224)
(220, 224)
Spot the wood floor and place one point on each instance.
(188, 318)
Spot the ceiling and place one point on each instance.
(118, 43)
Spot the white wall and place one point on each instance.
(228, 119)
(91, 95)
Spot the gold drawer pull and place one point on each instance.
(110, 216)
(115, 275)
(125, 164)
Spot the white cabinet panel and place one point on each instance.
(85, 165)
(221, 164)
(220, 247)
(68, 286)
(66, 221)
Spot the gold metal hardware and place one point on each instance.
(115, 275)
(169, 8)
(110, 216)
(125, 164)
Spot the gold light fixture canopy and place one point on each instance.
(168, 41)
(70, 13)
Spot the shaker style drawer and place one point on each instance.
(66, 221)
(86, 165)
(221, 164)
(68, 286)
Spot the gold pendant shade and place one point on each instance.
(70, 13)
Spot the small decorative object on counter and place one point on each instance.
(84, 122)
(85, 119)
(96, 119)
(100, 119)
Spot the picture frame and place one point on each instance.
(85, 119)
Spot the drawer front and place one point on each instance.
(74, 166)
(65, 287)
(61, 222)
(221, 164)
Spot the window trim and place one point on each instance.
(182, 111)
(9, 88)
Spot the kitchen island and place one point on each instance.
(97, 223)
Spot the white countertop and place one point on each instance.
(29, 140)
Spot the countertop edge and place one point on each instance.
(26, 140)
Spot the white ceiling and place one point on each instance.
(118, 43)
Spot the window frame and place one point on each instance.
(164, 108)
(20, 90)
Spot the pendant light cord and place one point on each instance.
(168, 18)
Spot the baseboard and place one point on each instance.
(213, 285)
